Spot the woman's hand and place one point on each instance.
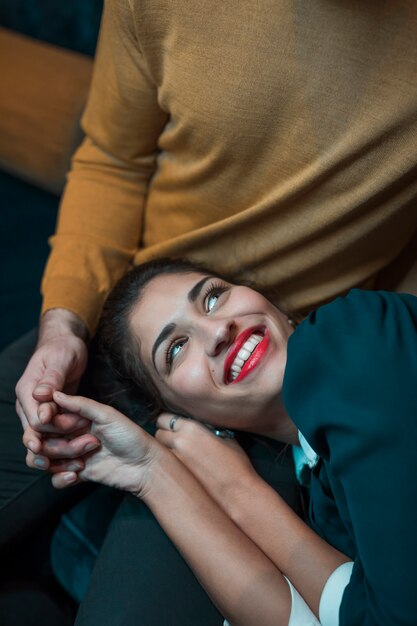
(124, 454)
(219, 464)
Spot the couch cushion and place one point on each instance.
(44, 90)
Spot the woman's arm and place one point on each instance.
(305, 559)
(261, 514)
(242, 581)
(355, 362)
(239, 540)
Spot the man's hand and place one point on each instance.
(58, 363)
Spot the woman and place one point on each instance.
(226, 356)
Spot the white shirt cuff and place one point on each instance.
(301, 614)
(332, 594)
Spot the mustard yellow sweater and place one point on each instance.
(278, 139)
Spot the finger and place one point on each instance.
(46, 411)
(21, 413)
(62, 424)
(58, 448)
(65, 479)
(32, 440)
(37, 461)
(24, 396)
(65, 423)
(166, 437)
(51, 380)
(170, 421)
(28, 413)
(40, 421)
(95, 411)
(70, 465)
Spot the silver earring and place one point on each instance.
(291, 322)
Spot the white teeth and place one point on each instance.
(243, 355)
(254, 340)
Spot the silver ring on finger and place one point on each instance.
(172, 422)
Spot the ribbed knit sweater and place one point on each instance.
(276, 139)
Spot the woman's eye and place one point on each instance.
(212, 295)
(173, 350)
(176, 349)
(211, 300)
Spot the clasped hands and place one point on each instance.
(111, 449)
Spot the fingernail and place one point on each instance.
(42, 389)
(40, 463)
(91, 446)
(69, 477)
(74, 467)
(32, 446)
(43, 416)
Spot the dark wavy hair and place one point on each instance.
(133, 390)
(119, 347)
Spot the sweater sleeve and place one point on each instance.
(100, 218)
(350, 386)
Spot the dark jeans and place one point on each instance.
(27, 497)
(29, 510)
(138, 576)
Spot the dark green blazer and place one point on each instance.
(351, 388)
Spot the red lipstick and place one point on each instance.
(252, 360)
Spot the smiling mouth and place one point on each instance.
(248, 350)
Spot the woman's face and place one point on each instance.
(215, 350)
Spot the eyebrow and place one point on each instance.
(164, 334)
(196, 290)
(169, 328)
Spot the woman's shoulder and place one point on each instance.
(356, 355)
(368, 321)
(363, 304)
(360, 318)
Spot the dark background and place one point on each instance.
(28, 214)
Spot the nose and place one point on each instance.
(217, 335)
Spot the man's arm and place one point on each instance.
(100, 218)
(99, 225)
